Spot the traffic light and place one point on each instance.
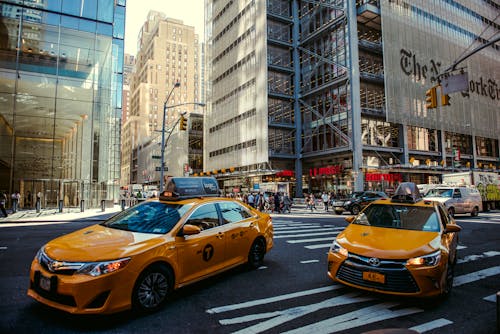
(431, 98)
(183, 123)
(445, 100)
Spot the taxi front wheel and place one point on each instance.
(256, 254)
(152, 288)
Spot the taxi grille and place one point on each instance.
(68, 269)
(397, 277)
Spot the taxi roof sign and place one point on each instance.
(190, 187)
(407, 192)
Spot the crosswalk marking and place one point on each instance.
(287, 228)
(307, 231)
(305, 235)
(428, 326)
(281, 317)
(319, 246)
(356, 318)
(475, 276)
(469, 258)
(301, 241)
(491, 298)
(273, 299)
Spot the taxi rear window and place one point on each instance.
(149, 217)
(404, 217)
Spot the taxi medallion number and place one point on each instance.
(374, 277)
(45, 283)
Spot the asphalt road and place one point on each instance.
(291, 293)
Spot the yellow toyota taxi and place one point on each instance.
(136, 258)
(400, 246)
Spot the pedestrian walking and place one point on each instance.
(277, 203)
(287, 203)
(3, 201)
(325, 198)
(312, 202)
(251, 200)
(15, 200)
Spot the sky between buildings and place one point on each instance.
(191, 12)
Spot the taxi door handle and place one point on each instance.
(220, 235)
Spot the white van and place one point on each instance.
(457, 199)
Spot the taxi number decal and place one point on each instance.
(208, 252)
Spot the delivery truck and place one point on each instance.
(487, 183)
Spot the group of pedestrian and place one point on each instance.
(278, 202)
(17, 201)
(325, 198)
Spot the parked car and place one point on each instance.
(357, 201)
(457, 199)
(404, 246)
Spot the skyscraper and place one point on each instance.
(330, 95)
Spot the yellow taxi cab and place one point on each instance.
(404, 246)
(137, 258)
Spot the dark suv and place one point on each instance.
(357, 201)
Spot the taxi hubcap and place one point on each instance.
(153, 290)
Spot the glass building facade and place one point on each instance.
(61, 64)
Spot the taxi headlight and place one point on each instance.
(336, 248)
(101, 268)
(348, 202)
(426, 260)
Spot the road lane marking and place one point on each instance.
(470, 258)
(3, 247)
(476, 276)
(281, 317)
(428, 326)
(309, 240)
(356, 318)
(309, 261)
(256, 302)
(305, 235)
(461, 247)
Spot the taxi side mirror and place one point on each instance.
(350, 219)
(189, 229)
(452, 228)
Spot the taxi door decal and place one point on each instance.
(208, 252)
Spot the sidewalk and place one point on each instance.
(67, 214)
(70, 214)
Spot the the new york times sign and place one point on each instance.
(428, 69)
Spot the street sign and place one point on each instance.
(455, 83)
(156, 156)
(158, 169)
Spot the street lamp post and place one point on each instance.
(162, 165)
(165, 141)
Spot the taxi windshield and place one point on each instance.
(402, 216)
(149, 217)
(440, 192)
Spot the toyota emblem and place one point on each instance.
(374, 262)
(55, 265)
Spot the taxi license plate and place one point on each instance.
(374, 277)
(44, 283)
